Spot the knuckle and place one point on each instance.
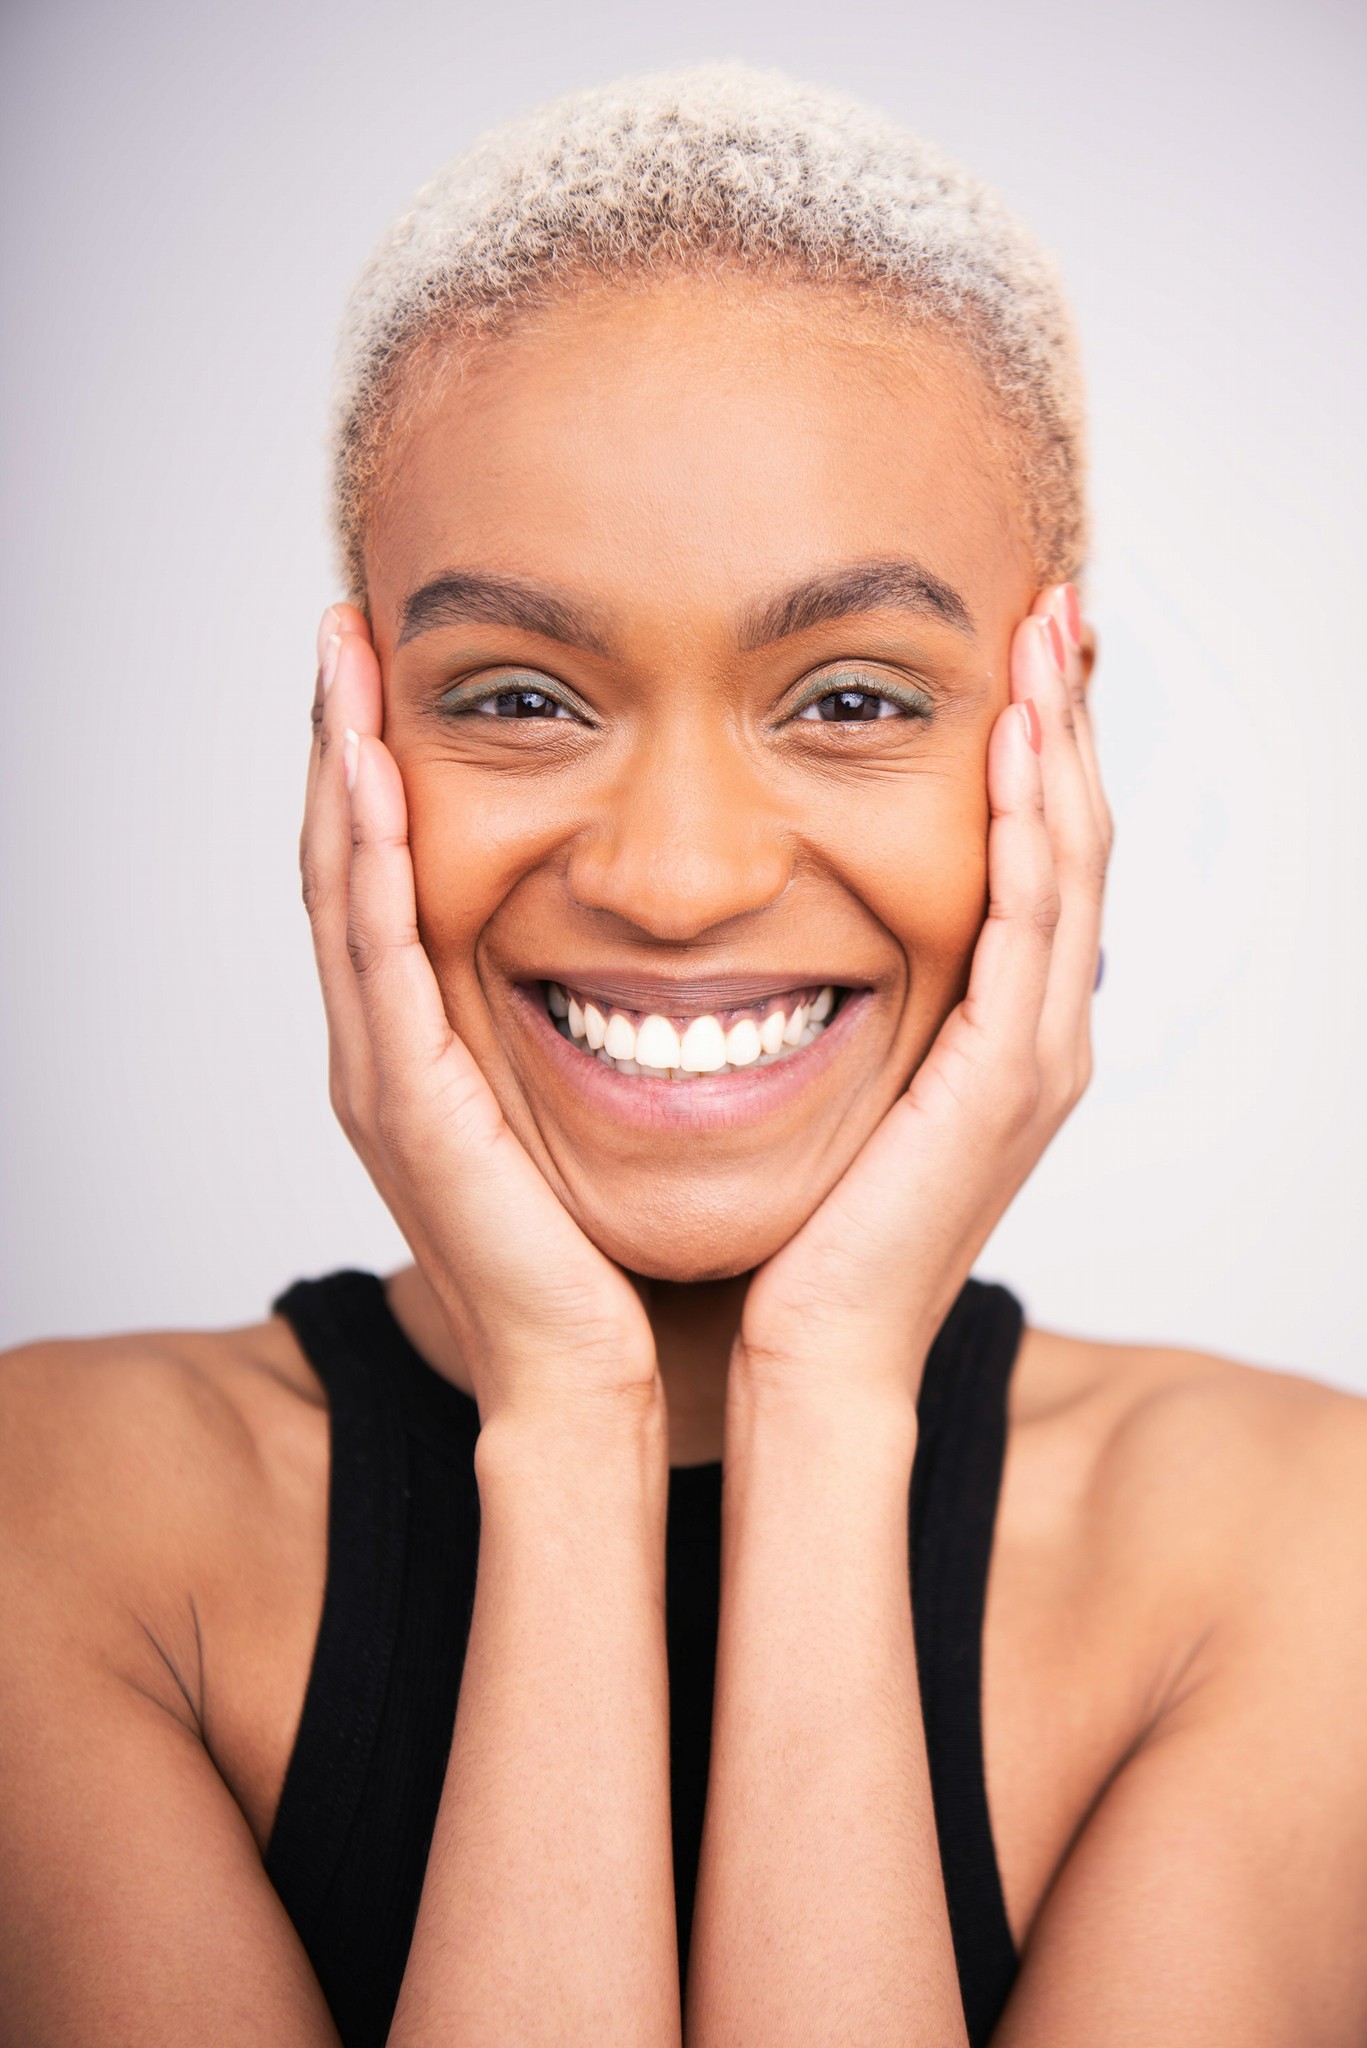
(1014, 1097)
(311, 884)
(1044, 915)
(349, 1099)
(1088, 863)
(342, 1107)
(363, 952)
(1098, 859)
(339, 1097)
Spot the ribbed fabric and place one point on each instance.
(955, 1483)
(351, 1838)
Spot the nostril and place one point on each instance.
(678, 898)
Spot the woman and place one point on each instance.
(704, 850)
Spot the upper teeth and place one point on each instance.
(701, 1045)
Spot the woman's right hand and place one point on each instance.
(542, 1319)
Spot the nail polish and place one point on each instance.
(1055, 640)
(350, 749)
(329, 624)
(331, 650)
(1034, 731)
(1072, 614)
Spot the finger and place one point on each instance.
(352, 699)
(335, 620)
(997, 1023)
(405, 1018)
(977, 1090)
(1065, 604)
(1039, 670)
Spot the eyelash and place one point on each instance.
(904, 701)
(468, 700)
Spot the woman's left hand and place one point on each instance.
(855, 1298)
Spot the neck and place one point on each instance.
(693, 1325)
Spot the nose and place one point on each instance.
(685, 839)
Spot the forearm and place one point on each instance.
(547, 1914)
(821, 1912)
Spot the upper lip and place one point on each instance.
(694, 995)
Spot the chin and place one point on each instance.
(689, 1240)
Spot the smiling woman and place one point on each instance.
(683, 1604)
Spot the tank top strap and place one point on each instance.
(956, 1482)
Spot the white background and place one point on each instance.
(188, 190)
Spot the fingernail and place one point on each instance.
(1055, 640)
(1072, 614)
(332, 647)
(350, 749)
(1034, 731)
(329, 624)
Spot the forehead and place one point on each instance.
(692, 441)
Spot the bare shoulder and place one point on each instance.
(1195, 1456)
(1178, 1612)
(116, 1431)
(162, 1552)
(160, 1492)
(1219, 1508)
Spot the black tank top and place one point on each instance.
(350, 1842)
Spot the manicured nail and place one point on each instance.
(1034, 731)
(332, 647)
(350, 749)
(1072, 614)
(1054, 640)
(329, 624)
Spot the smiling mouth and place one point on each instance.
(716, 1042)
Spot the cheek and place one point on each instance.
(914, 852)
(471, 842)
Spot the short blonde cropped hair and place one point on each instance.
(687, 169)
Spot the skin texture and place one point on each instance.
(656, 477)
(1175, 1648)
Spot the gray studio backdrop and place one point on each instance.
(187, 192)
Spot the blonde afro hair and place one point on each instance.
(717, 165)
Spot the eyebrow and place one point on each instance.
(897, 584)
(498, 601)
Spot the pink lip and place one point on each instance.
(672, 996)
(710, 1102)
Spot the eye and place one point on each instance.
(520, 704)
(849, 705)
(859, 699)
(516, 696)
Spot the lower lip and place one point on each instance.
(709, 1102)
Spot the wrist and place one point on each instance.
(539, 1439)
(831, 1409)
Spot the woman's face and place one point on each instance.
(693, 603)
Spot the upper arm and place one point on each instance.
(134, 1907)
(1217, 1891)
